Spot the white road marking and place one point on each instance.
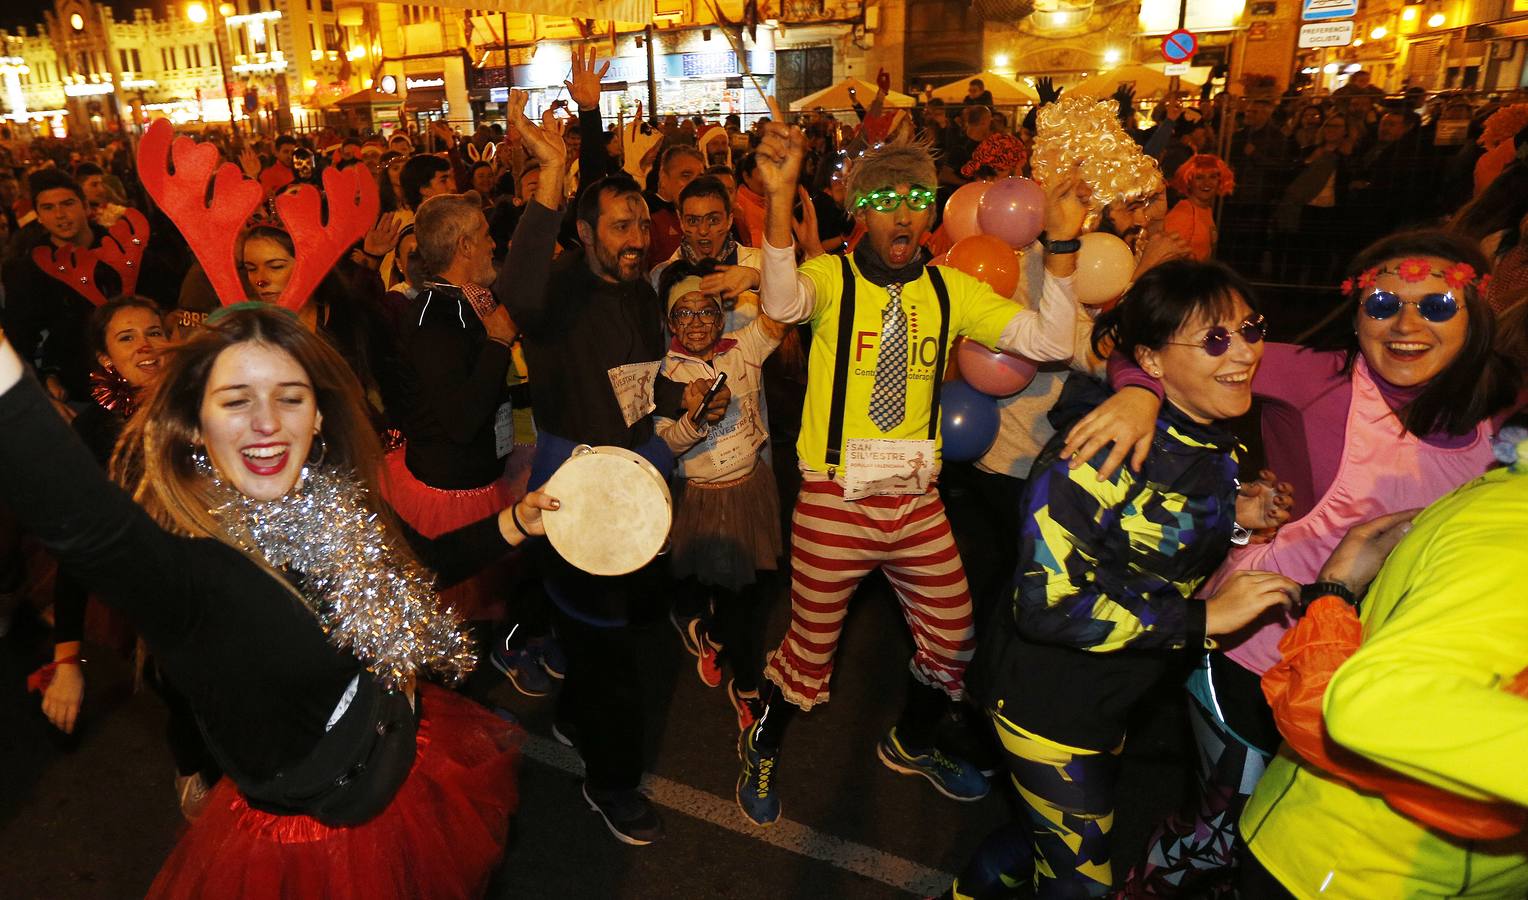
(878, 865)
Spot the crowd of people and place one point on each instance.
(291, 407)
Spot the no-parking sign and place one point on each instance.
(1179, 46)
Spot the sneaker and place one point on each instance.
(706, 664)
(755, 787)
(522, 670)
(549, 653)
(628, 815)
(193, 793)
(952, 777)
(682, 625)
(746, 704)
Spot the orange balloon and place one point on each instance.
(987, 258)
(960, 210)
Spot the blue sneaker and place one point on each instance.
(522, 670)
(755, 787)
(549, 653)
(952, 777)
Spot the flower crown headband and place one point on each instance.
(1458, 276)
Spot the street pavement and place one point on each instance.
(94, 818)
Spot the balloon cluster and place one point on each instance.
(990, 222)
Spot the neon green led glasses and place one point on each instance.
(917, 198)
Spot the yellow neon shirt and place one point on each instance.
(976, 312)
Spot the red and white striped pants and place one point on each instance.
(834, 544)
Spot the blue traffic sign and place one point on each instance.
(1179, 46)
(1322, 10)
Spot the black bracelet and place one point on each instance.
(514, 516)
(1310, 593)
(376, 256)
(1071, 246)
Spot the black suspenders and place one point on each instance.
(841, 361)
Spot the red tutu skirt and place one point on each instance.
(433, 512)
(441, 837)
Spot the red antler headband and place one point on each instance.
(1457, 276)
(211, 227)
(73, 266)
(353, 209)
(122, 248)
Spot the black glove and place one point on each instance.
(1047, 90)
(1124, 95)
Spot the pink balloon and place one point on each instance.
(960, 210)
(1104, 267)
(1013, 209)
(992, 372)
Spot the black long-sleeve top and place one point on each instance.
(577, 328)
(459, 383)
(45, 318)
(99, 428)
(250, 656)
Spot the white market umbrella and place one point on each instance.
(837, 97)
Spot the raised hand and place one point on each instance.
(382, 237)
(249, 161)
(1047, 90)
(544, 142)
(584, 86)
(780, 153)
(1066, 206)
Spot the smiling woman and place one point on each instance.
(295, 610)
(1398, 415)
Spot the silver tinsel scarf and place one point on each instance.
(371, 600)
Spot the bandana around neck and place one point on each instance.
(877, 272)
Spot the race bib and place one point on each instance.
(633, 386)
(736, 438)
(504, 430)
(876, 467)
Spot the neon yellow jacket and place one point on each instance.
(1445, 623)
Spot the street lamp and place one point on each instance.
(200, 15)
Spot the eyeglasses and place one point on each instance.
(1217, 340)
(1382, 305)
(710, 220)
(708, 316)
(885, 200)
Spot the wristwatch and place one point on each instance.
(1310, 593)
(1071, 246)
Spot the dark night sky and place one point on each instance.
(14, 13)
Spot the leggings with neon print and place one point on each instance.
(1061, 845)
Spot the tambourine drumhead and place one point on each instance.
(615, 510)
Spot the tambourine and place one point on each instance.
(615, 510)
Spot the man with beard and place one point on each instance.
(882, 326)
(593, 332)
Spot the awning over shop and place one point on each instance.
(1005, 91)
(837, 96)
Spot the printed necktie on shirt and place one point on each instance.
(888, 395)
